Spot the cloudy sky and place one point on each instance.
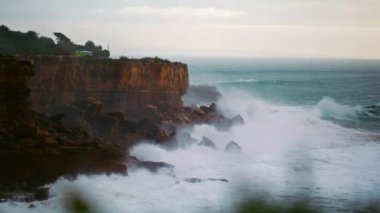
(253, 28)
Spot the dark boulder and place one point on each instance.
(151, 130)
(147, 126)
(127, 126)
(225, 124)
(232, 147)
(207, 142)
(237, 120)
(200, 180)
(154, 167)
(104, 126)
(209, 109)
(169, 127)
(90, 105)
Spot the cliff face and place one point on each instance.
(13, 90)
(35, 149)
(129, 86)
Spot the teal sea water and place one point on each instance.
(348, 90)
(311, 133)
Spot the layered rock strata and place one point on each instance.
(137, 88)
(35, 149)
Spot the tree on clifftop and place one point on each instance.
(15, 42)
(64, 44)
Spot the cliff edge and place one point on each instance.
(133, 87)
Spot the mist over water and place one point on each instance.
(311, 132)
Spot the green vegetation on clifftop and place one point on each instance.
(15, 42)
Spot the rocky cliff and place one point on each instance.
(35, 149)
(134, 87)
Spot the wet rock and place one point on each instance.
(233, 147)
(154, 167)
(127, 126)
(207, 142)
(218, 179)
(226, 124)
(104, 126)
(90, 105)
(199, 180)
(237, 120)
(151, 130)
(147, 126)
(41, 194)
(199, 112)
(194, 180)
(184, 139)
(210, 109)
(169, 127)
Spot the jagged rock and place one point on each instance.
(194, 180)
(180, 140)
(226, 124)
(218, 179)
(199, 180)
(210, 109)
(90, 105)
(104, 126)
(151, 130)
(147, 126)
(126, 126)
(199, 112)
(184, 139)
(232, 147)
(170, 128)
(207, 142)
(134, 163)
(41, 194)
(237, 120)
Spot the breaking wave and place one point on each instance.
(363, 116)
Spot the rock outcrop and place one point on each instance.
(36, 149)
(207, 143)
(233, 147)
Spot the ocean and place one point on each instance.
(311, 134)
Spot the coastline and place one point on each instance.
(80, 131)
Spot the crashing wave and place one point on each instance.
(348, 114)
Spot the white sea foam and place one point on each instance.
(330, 108)
(226, 81)
(286, 151)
